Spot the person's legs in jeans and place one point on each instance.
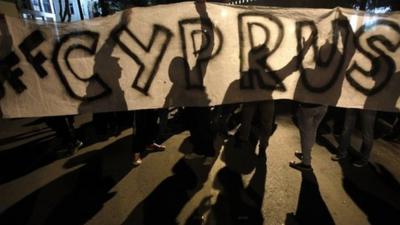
(367, 130)
(348, 127)
(309, 119)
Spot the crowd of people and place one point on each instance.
(255, 117)
(238, 121)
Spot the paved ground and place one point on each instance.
(98, 185)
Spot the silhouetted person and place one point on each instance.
(146, 134)
(324, 82)
(264, 109)
(197, 118)
(259, 72)
(65, 131)
(106, 120)
(163, 205)
(328, 60)
(367, 115)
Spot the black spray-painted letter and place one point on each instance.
(150, 54)
(10, 75)
(30, 43)
(92, 39)
(383, 66)
(206, 40)
(260, 35)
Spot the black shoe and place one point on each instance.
(360, 163)
(74, 147)
(300, 166)
(338, 157)
(298, 154)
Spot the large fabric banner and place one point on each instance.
(191, 54)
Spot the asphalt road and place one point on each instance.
(99, 186)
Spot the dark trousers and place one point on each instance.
(308, 120)
(198, 122)
(146, 129)
(367, 122)
(63, 126)
(265, 111)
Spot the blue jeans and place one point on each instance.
(367, 120)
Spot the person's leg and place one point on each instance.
(65, 132)
(205, 146)
(138, 139)
(200, 134)
(305, 121)
(151, 131)
(267, 111)
(190, 115)
(246, 121)
(319, 115)
(367, 130)
(345, 138)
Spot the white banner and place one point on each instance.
(191, 54)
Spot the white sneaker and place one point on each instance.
(136, 159)
(155, 147)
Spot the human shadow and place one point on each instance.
(184, 92)
(107, 97)
(6, 43)
(77, 196)
(107, 68)
(387, 98)
(242, 161)
(377, 210)
(164, 203)
(191, 92)
(260, 73)
(21, 160)
(386, 176)
(325, 79)
(26, 135)
(311, 207)
(372, 188)
(237, 204)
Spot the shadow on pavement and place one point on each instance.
(311, 208)
(77, 196)
(372, 188)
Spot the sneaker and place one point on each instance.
(338, 157)
(193, 155)
(155, 147)
(74, 147)
(136, 159)
(300, 166)
(360, 163)
(298, 154)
